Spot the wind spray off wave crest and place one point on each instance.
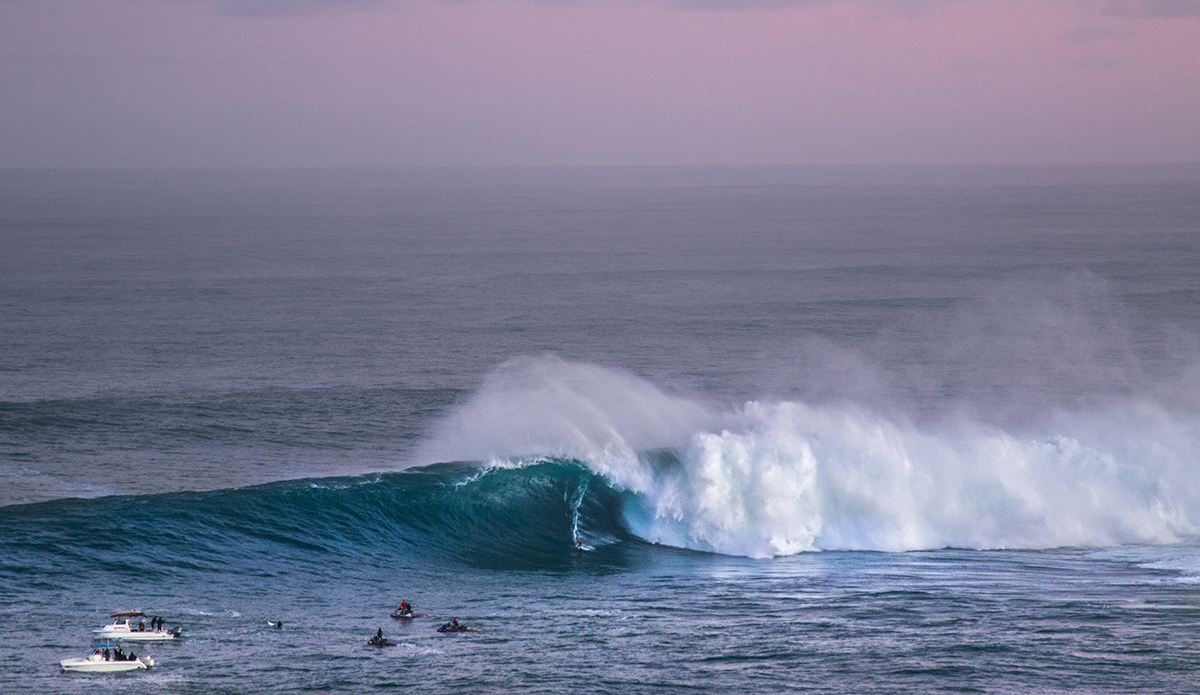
(545, 406)
(780, 478)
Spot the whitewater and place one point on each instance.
(770, 479)
(869, 430)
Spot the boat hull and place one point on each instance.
(92, 665)
(127, 635)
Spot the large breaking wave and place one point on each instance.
(549, 454)
(769, 479)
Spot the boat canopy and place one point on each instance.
(127, 614)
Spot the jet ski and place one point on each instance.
(377, 641)
(454, 626)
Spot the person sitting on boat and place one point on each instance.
(105, 654)
(141, 626)
(404, 608)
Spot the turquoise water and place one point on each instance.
(824, 430)
(330, 558)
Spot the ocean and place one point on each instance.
(830, 429)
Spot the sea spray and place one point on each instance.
(788, 477)
(771, 479)
(546, 406)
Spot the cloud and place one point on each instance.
(292, 8)
(1095, 32)
(1164, 9)
(1160, 9)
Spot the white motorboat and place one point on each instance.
(123, 628)
(104, 660)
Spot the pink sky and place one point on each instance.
(404, 82)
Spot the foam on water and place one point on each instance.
(777, 478)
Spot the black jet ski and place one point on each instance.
(377, 641)
(455, 627)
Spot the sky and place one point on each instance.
(300, 83)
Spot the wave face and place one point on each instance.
(527, 517)
(770, 479)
